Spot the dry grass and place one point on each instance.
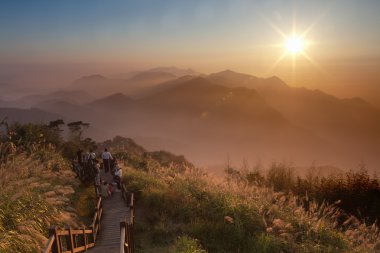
(37, 192)
(233, 216)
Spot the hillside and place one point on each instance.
(27, 115)
(38, 191)
(180, 208)
(193, 212)
(114, 102)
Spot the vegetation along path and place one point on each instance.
(115, 209)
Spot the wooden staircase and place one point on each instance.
(115, 209)
(113, 217)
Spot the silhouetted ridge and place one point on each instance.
(117, 100)
(204, 99)
(149, 75)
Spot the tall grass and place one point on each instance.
(355, 192)
(234, 216)
(34, 196)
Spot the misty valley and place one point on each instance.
(214, 118)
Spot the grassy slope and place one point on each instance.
(189, 211)
(37, 192)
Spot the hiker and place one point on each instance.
(104, 190)
(107, 157)
(118, 175)
(76, 168)
(97, 179)
(91, 156)
(79, 156)
(110, 189)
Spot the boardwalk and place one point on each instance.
(114, 209)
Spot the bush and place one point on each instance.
(185, 244)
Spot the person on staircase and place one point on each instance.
(107, 157)
(97, 178)
(118, 175)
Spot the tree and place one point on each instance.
(55, 124)
(53, 134)
(4, 129)
(76, 130)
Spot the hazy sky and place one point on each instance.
(207, 35)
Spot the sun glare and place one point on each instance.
(295, 45)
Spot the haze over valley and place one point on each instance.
(211, 118)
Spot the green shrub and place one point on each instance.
(185, 244)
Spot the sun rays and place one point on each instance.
(295, 45)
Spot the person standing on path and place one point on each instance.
(106, 156)
(79, 156)
(97, 179)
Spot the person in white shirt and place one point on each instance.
(91, 156)
(118, 175)
(106, 156)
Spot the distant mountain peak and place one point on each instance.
(149, 75)
(175, 71)
(118, 95)
(225, 72)
(116, 100)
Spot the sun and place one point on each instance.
(295, 45)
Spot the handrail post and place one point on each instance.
(56, 245)
(132, 238)
(93, 233)
(84, 238)
(70, 240)
(123, 228)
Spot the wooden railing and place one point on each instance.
(68, 240)
(127, 243)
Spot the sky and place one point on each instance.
(343, 38)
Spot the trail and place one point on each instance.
(114, 209)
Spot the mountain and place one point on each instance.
(230, 78)
(114, 102)
(214, 119)
(200, 98)
(208, 118)
(70, 96)
(333, 118)
(178, 72)
(67, 109)
(100, 86)
(175, 71)
(152, 77)
(33, 115)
